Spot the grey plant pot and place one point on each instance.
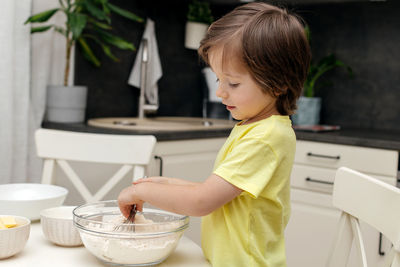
(66, 104)
(308, 110)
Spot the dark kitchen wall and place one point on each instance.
(364, 35)
(180, 88)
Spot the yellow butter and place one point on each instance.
(2, 226)
(8, 221)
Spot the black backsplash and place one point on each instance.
(364, 35)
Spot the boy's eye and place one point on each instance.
(234, 85)
(217, 80)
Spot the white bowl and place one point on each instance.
(58, 226)
(13, 240)
(29, 199)
(149, 243)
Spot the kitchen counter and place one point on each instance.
(356, 137)
(41, 252)
(161, 136)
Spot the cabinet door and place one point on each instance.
(192, 160)
(193, 167)
(311, 229)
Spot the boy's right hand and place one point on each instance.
(127, 198)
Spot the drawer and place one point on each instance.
(321, 179)
(367, 160)
(312, 178)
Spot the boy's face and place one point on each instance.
(239, 92)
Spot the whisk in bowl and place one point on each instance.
(129, 222)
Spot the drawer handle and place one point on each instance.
(308, 179)
(380, 252)
(161, 164)
(310, 154)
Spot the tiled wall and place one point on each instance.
(367, 37)
(364, 35)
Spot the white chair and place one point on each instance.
(361, 197)
(133, 152)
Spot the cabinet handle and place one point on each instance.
(382, 253)
(308, 179)
(310, 154)
(161, 163)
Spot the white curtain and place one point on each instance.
(28, 63)
(14, 90)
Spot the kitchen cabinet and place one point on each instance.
(192, 160)
(313, 223)
(293, 1)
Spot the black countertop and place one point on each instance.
(161, 136)
(355, 137)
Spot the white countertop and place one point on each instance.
(41, 252)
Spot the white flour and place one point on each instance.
(132, 250)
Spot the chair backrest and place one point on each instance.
(361, 197)
(133, 152)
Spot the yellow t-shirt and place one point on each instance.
(248, 231)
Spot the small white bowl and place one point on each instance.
(58, 226)
(28, 199)
(13, 240)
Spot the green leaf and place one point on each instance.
(115, 40)
(106, 48)
(124, 13)
(42, 16)
(41, 29)
(60, 30)
(77, 23)
(99, 24)
(107, 51)
(88, 53)
(96, 12)
(199, 11)
(308, 33)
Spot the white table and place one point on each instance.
(41, 252)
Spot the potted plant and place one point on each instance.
(85, 20)
(199, 17)
(308, 105)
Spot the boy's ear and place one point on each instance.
(276, 92)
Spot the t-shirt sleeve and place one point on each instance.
(250, 165)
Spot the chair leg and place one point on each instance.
(138, 172)
(48, 171)
(341, 248)
(396, 260)
(389, 258)
(355, 225)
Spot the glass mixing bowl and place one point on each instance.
(150, 240)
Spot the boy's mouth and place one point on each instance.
(230, 107)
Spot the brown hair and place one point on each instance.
(273, 45)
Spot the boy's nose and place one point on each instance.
(221, 93)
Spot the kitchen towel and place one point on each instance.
(153, 71)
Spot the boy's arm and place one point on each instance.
(165, 180)
(193, 199)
